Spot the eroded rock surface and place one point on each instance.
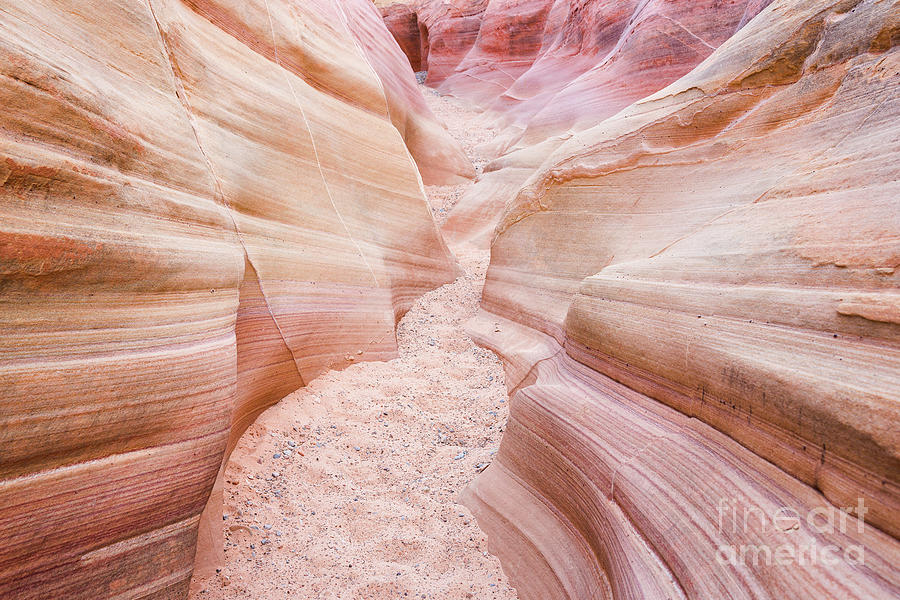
(696, 303)
(444, 32)
(205, 204)
(546, 70)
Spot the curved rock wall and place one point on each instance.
(403, 23)
(509, 40)
(592, 59)
(205, 204)
(445, 32)
(696, 302)
(440, 159)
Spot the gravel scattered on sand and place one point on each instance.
(358, 474)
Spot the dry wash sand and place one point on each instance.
(348, 488)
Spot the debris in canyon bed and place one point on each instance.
(380, 496)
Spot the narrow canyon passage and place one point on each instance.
(692, 211)
(348, 487)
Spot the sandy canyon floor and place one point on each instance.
(348, 488)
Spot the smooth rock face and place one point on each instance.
(403, 23)
(697, 304)
(509, 40)
(205, 204)
(591, 59)
(440, 159)
(447, 31)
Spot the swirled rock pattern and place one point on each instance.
(204, 204)
(440, 159)
(697, 304)
(591, 59)
(444, 32)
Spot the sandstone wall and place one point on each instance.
(589, 60)
(440, 159)
(696, 302)
(445, 32)
(204, 204)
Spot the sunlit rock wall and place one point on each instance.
(440, 159)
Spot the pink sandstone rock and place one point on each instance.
(205, 204)
(596, 58)
(447, 30)
(696, 303)
(403, 23)
(509, 40)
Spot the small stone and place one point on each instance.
(276, 455)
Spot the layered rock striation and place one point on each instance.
(696, 303)
(443, 32)
(561, 67)
(205, 204)
(439, 158)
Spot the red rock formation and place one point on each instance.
(696, 302)
(509, 40)
(447, 30)
(205, 204)
(403, 23)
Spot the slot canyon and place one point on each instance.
(450, 299)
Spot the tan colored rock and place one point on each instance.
(205, 204)
(439, 157)
(696, 301)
